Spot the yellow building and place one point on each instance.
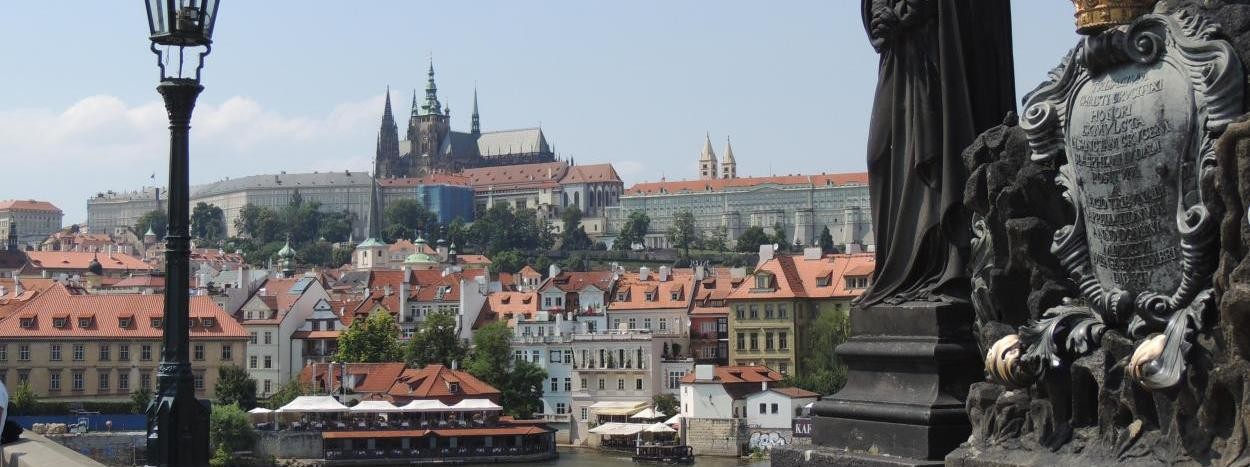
(770, 308)
(70, 345)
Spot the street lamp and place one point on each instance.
(177, 421)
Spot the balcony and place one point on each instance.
(557, 339)
(710, 335)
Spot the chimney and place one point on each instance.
(664, 272)
(700, 272)
(813, 253)
(387, 290)
(703, 372)
(403, 293)
(644, 273)
(737, 274)
(553, 270)
(766, 253)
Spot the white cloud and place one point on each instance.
(102, 143)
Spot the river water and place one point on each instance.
(570, 457)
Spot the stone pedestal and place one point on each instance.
(910, 366)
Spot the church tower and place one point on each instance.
(729, 168)
(387, 157)
(428, 127)
(707, 160)
(476, 125)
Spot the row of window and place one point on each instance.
(252, 359)
(122, 322)
(771, 311)
(268, 338)
(783, 340)
(106, 352)
(646, 323)
(104, 380)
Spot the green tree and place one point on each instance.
(301, 220)
(665, 403)
(779, 234)
(681, 234)
(751, 239)
(24, 398)
(340, 256)
(156, 220)
(370, 340)
(410, 214)
(336, 226)
(436, 341)
(575, 262)
(509, 261)
(492, 354)
(285, 394)
(826, 241)
(523, 395)
(139, 400)
(717, 239)
(501, 228)
(821, 370)
(221, 458)
(574, 236)
(458, 232)
(207, 222)
(235, 386)
(229, 427)
(633, 231)
(248, 222)
(318, 253)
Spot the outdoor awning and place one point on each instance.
(618, 429)
(259, 410)
(648, 414)
(476, 404)
(673, 420)
(617, 407)
(659, 428)
(375, 407)
(425, 405)
(313, 404)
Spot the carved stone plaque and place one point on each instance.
(1128, 130)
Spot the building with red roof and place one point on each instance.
(272, 315)
(80, 263)
(30, 219)
(71, 345)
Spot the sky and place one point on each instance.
(299, 86)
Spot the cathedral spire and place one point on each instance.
(431, 105)
(707, 160)
(729, 167)
(415, 108)
(476, 127)
(387, 115)
(388, 141)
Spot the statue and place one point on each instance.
(945, 76)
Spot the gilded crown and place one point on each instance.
(1093, 16)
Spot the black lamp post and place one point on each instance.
(177, 421)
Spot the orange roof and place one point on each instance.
(107, 309)
(433, 382)
(710, 311)
(739, 374)
(631, 292)
(528, 271)
(513, 302)
(473, 260)
(795, 393)
(797, 277)
(316, 334)
(591, 174)
(141, 281)
(541, 175)
(721, 184)
(80, 260)
(431, 179)
(369, 377)
(575, 281)
(28, 205)
(11, 301)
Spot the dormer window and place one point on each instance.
(676, 295)
(60, 323)
(28, 323)
(823, 281)
(763, 281)
(622, 296)
(124, 323)
(208, 322)
(453, 387)
(157, 322)
(650, 296)
(84, 322)
(860, 282)
(191, 322)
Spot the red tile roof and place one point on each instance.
(141, 281)
(721, 184)
(594, 173)
(541, 175)
(434, 382)
(28, 205)
(369, 377)
(631, 292)
(574, 281)
(431, 179)
(107, 310)
(739, 374)
(797, 277)
(80, 260)
(795, 393)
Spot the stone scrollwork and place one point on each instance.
(1130, 118)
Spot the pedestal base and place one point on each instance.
(910, 367)
(791, 456)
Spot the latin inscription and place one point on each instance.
(1126, 132)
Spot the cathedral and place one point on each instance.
(430, 145)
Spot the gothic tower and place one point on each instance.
(476, 125)
(428, 127)
(729, 168)
(387, 158)
(707, 160)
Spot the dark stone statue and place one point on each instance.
(945, 76)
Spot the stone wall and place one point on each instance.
(714, 436)
(116, 448)
(289, 445)
(34, 450)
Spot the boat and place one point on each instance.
(664, 454)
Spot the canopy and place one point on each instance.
(313, 404)
(476, 404)
(425, 405)
(673, 420)
(659, 428)
(259, 410)
(617, 407)
(618, 429)
(375, 406)
(648, 414)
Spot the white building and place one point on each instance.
(720, 392)
(272, 316)
(776, 408)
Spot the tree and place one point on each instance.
(509, 261)
(235, 386)
(779, 234)
(681, 234)
(574, 236)
(633, 231)
(457, 232)
(229, 427)
(285, 394)
(523, 395)
(436, 341)
(25, 399)
(221, 458)
(718, 239)
(826, 241)
(156, 220)
(370, 340)
(340, 256)
(207, 222)
(336, 226)
(751, 239)
(139, 400)
(665, 403)
(317, 253)
(821, 370)
(575, 262)
(410, 214)
(492, 354)
(248, 221)
(500, 228)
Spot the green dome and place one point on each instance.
(418, 258)
(286, 251)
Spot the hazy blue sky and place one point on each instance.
(298, 86)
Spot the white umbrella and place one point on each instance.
(476, 404)
(375, 407)
(648, 414)
(673, 420)
(425, 405)
(659, 428)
